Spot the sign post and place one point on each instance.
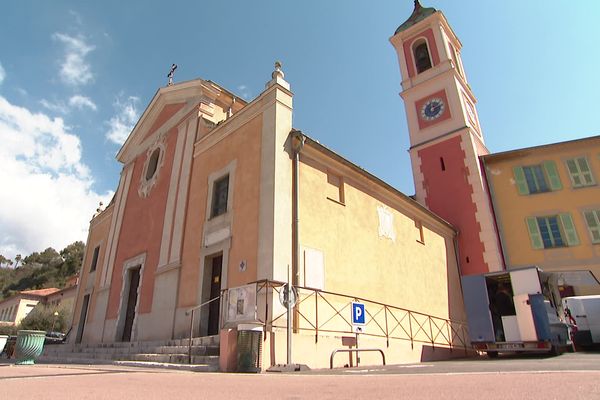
(358, 323)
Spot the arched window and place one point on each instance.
(421, 53)
(152, 164)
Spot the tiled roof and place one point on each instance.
(40, 292)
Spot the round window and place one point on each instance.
(152, 164)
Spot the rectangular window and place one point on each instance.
(95, 259)
(592, 219)
(536, 181)
(335, 188)
(580, 173)
(538, 178)
(219, 196)
(552, 231)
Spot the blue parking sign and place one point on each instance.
(358, 313)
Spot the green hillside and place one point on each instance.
(46, 269)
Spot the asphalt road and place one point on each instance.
(570, 376)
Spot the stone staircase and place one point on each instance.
(163, 354)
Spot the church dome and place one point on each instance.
(418, 14)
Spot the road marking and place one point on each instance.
(355, 371)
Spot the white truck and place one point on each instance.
(514, 311)
(585, 311)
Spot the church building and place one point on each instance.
(222, 201)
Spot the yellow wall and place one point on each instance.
(89, 282)
(22, 306)
(512, 209)
(358, 261)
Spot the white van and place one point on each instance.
(585, 310)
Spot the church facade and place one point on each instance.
(221, 202)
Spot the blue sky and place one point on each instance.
(75, 76)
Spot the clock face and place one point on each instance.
(432, 109)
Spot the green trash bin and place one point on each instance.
(29, 346)
(249, 349)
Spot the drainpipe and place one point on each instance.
(295, 230)
(295, 202)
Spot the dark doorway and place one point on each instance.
(134, 281)
(215, 291)
(82, 318)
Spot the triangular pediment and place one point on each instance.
(167, 108)
(167, 112)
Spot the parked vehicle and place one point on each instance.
(585, 311)
(514, 311)
(54, 338)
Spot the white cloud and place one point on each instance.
(47, 197)
(121, 124)
(57, 106)
(75, 69)
(2, 74)
(81, 102)
(245, 92)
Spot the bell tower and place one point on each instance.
(445, 136)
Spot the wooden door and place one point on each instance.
(82, 318)
(134, 281)
(215, 291)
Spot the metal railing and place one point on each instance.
(321, 311)
(192, 311)
(333, 353)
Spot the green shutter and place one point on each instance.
(569, 228)
(520, 180)
(534, 233)
(585, 170)
(552, 172)
(592, 219)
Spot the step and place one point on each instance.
(172, 358)
(128, 363)
(182, 367)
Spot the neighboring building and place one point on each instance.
(17, 307)
(547, 205)
(217, 193)
(64, 299)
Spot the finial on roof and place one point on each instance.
(171, 73)
(278, 73)
(99, 209)
(277, 77)
(418, 14)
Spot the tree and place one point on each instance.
(49, 257)
(5, 262)
(45, 318)
(18, 259)
(73, 258)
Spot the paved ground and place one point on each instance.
(570, 376)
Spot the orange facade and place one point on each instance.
(546, 199)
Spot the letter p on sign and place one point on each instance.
(358, 314)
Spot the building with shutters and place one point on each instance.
(546, 200)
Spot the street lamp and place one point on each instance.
(54, 320)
